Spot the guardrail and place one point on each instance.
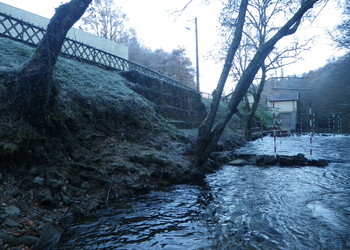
(31, 35)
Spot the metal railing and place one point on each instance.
(31, 34)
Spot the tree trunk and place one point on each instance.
(208, 123)
(253, 109)
(207, 141)
(36, 89)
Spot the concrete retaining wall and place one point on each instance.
(75, 34)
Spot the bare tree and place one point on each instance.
(342, 34)
(260, 25)
(105, 20)
(209, 134)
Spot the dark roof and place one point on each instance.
(283, 96)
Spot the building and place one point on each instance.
(284, 103)
(74, 34)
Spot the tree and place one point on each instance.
(105, 20)
(209, 134)
(36, 91)
(342, 36)
(260, 25)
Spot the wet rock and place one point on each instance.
(238, 162)
(210, 166)
(221, 157)
(300, 160)
(9, 239)
(39, 181)
(318, 163)
(15, 192)
(49, 237)
(66, 199)
(265, 160)
(12, 211)
(45, 197)
(285, 161)
(33, 171)
(85, 185)
(53, 183)
(11, 223)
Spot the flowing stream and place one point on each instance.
(239, 208)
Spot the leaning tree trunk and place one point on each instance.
(255, 105)
(208, 123)
(36, 89)
(206, 142)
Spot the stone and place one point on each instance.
(11, 223)
(15, 192)
(39, 181)
(285, 161)
(270, 160)
(49, 237)
(12, 211)
(238, 162)
(300, 160)
(318, 163)
(33, 171)
(54, 183)
(265, 160)
(26, 240)
(45, 197)
(85, 185)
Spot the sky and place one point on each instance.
(158, 26)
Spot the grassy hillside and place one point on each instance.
(104, 142)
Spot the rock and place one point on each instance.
(12, 211)
(238, 162)
(221, 157)
(33, 171)
(45, 197)
(49, 238)
(300, 160)
(12, 241)
(85, 185)
(0, 176)
(11, 223)
(318, 163)
(210, 166)
(265, 160)
(54, 183)
(15, 192)
(39, 181)
(285, 161)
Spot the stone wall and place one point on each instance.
(181, 105)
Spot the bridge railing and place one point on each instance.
(31, 34)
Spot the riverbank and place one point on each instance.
(104, 142)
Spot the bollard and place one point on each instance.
(311, 119)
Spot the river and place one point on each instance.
(246, 207)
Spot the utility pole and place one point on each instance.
(197, 60)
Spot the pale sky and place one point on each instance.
(157, 28)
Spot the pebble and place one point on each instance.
(39, 180)
(11, 223)
(12, 211)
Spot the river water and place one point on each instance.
(246, 207)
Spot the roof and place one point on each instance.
(283, 96)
